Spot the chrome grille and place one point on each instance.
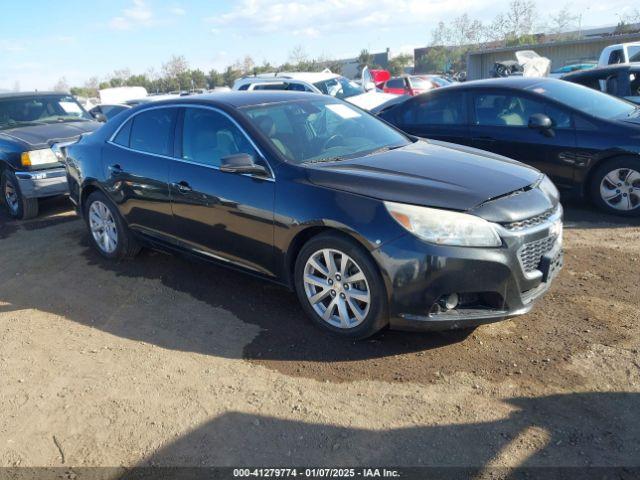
(531, 221)
(531, 253)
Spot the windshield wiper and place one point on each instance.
(324, 160)
(383, 149)
(354, 155)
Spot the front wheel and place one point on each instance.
(339, 287)
(107, 230)
(18, 206)
(615, 187)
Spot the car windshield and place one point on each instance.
(339, 87)
(634, 53)
(423, 83)
(442, 82)
(317, 130)
(585, 99)
(34, 110)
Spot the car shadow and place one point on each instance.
(580, 214)
(284, 339)
(576, 430)
(285, 332)
(52, 211)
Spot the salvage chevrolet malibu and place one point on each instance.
(369, 226)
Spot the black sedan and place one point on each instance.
(586, 141)
(31, 124)
(370, 226)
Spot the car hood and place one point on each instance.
(371, 99)
(434, 174)
(43, 136)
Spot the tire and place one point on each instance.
(108, 232)
(17, 205)
(615, 187)
(331, 291)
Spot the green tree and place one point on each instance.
(398, 64)
(198, 78)
(230, 75)
(214, 78)
(435, 60)
(365, 59)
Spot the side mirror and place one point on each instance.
(542, 123)
(100, 117)
(241, 163)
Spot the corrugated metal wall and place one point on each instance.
(479, 64)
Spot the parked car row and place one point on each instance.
(364, 95)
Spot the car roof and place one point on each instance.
(237, 99)
(599, 71)
(516, 83)
(310, 77)
(31, 94)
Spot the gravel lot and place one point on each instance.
(165, 361)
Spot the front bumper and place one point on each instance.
(492, 284)
(43, 183)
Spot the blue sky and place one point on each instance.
(41, 40)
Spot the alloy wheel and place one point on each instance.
(11, 196)
(620, 189)
(337, 288)
(103, 227)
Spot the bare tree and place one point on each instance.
(441, 35)
(631, 17)
(564, 20)
(248, 65)
(176, 66)
(92, 83)
(298, 55)
(517, 22)
(122, 73)
(61, 85)
(152, 74)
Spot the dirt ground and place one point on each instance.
(165, 361)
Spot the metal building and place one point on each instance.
(561, 53)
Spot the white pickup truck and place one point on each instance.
(620, 53)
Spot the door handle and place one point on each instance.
(483, 139)
(115, 169)
(182, 187)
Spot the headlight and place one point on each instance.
(444, 227)
(547, 186)
(38, 157)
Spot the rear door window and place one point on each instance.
(443, 109)
(507, 110)
(124, 134)
(395, 83)
(616, 57)
(207, 136)
(152, 131)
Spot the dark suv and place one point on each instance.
(30, 124)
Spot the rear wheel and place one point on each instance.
(339, 286)
(18, 206)
(615, 187)
(107, 230)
